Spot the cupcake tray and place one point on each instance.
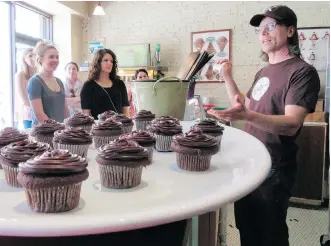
(166, 193)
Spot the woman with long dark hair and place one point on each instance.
(104, 90)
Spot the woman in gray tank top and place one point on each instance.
(46, 92)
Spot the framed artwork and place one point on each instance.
(314, 46)
(213, 41)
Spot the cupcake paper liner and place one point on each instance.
(163, 143)
(100, 140)
(11, 175)
(127, 129)
(0, 162)
(142, 125)
(120, 177)
(78, 149)
(54, 199)
(193, 162)
(45, 139)
(150, 153)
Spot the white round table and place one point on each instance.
(166, 194)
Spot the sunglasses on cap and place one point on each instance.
(273, 8)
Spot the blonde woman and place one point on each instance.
(23, 112)
(46, 92)
(72, 86)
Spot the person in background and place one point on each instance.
(141, 74)
(23, 110)
(274, 109)
(46, 92)
(104, 90)
(72, 87)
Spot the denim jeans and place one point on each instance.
(27, 124)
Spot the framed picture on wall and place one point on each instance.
(314, 46)
(213, 41)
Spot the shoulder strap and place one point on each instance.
(111, 101)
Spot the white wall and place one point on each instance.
(62, 40)
(170, 24)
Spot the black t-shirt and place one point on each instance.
(291, 82)
(94, 97)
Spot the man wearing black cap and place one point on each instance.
(282, 95)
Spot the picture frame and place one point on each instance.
(217, 41)
(314, 46)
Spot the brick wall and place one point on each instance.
(170, 24)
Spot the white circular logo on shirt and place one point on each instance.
(260, 88)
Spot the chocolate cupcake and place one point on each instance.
(144, 139)
(143, 118)
(10, 135)
(121, 163)
(80, 120)
(77, 141)
(126, 122)
(194, 150)
(165, 118)
(44, 132)
(164, 130)
(210, 127)
(53, 180)
(105, 115)
(15, 153)
(106, 131)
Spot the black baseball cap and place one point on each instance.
(280, 13)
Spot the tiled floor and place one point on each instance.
(305, 226)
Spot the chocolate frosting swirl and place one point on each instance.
(108, 126)
(162, 118)
(80, 119)
(107, 114)
(165, 127)
(209, 126)
(48, 127)
(10, 135)
(141, 137)
(72, 136)
(54, 162)
(195, 138)
(144, 115)
(195, 143)
(122, 118)
(15, 153)
(126, 151)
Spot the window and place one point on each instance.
(38, 26)
(31, 26)
(6, 105)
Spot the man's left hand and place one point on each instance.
(237, 112)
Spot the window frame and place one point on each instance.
(46, 35)
(15, 37)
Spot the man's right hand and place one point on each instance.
(226, 68)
